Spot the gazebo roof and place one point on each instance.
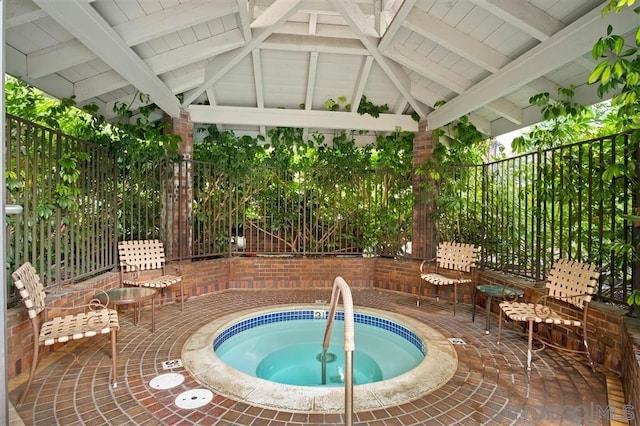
(251, 65)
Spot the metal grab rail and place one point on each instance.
(341, 286)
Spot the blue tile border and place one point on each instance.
(312, 314)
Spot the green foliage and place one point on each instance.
(460, 146)
(141, 138)
(619, 68)
(460, 143)
(566, 122)
(225, 151)
(311, 195)
(136, 137)
(332, 105)
(367, 107)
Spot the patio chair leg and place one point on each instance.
(181, 296)
(499, 327)
(530, 347)
(32, 372)
(455, 297)
(114, 374)
(419, 293)
(586, 347)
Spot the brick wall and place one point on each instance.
(630, 364)
(276, 272)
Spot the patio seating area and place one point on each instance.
(489, 386)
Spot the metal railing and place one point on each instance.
(572, 202)
(67, 190)
(340, 286)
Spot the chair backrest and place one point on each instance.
(458, 256)
(571, 281)
(141, 254)
(30, 288)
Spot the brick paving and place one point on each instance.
(490, 385)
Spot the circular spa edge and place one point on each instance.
(208, 369)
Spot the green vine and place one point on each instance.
(619, 68)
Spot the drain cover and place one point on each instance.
(167, 381)
(456, 341)
(194, 398)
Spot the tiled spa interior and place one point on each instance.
(489, 385)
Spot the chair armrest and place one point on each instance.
(93, 305)
(424, 262)
(133, 270)
(540, 306)
(507, 295)
(543, 311)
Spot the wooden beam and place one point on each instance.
(321, 30)
(428, 68)
(311, 80)
(193, 52)
(456, 41)
(311, 85)
(363, 76)
(396, 24)
(506, 109)
(18, 12)
(57, 58)
(98, 84)
(256, 61)
(244, 21)
(272, 117)
(307, 43)
(173, 19)
(524, 16)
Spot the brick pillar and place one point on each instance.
(424, 190)
(179, 205)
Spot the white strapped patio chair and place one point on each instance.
(146, 255)
(96, 319)
(568, 281)
(455, 264)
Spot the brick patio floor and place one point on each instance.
(489, 387)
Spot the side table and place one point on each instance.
(491, 291)
(135, 296)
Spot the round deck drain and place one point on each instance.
(194, 398)
(167, 381)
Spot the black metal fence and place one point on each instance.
(67, 188)
(574, 201)
(570, 202)
(314, 212)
